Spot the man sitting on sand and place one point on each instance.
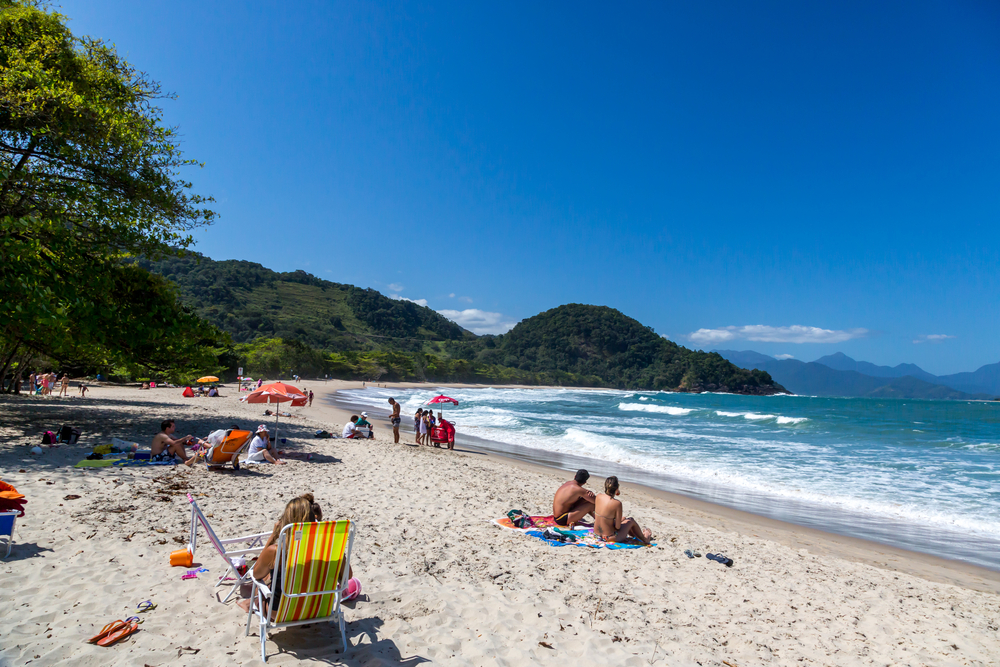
(351, 430)
(165, 448)
(573, 502)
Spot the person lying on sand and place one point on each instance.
(262, 449)
(572, 502)
(608, 523)
(165, 448)
(303, 509)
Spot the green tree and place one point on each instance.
(89, 176)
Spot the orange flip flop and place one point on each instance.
(125, 630)
(107, 630)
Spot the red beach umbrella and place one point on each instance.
(441, 399)
(437, 400)
(277, 392)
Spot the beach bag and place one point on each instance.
(48, 438)
(323, 434)
(520, 519)
(69, 434)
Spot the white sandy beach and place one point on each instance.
(441, 582)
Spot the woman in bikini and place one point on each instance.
(608, 523)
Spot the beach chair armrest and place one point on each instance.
(261, 587)
(246, 538)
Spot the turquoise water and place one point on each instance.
(920, 474)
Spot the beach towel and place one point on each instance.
(583, 534)
(122, 462)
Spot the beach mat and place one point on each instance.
(121, 463)
(584, 534)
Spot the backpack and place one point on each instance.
(520, 519)
(69, 434)
(48, 438)
(322, 434)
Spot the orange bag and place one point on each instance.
(181, 557)
(9, 492)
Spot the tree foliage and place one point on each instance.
(88, 177)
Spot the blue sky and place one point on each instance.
(792, 178)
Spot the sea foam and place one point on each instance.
(665, 409)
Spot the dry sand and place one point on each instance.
(441, 583)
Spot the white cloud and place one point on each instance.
(766, 334)
(932, 338)
(783, 356)
(467, 299)
(419, 302)
(452, 295)
(395, 287)
(479, 321)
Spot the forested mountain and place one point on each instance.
(601, 341)
(249, 301)
(296, 322)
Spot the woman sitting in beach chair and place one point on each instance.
(303, 509)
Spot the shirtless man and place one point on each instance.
(395, 419)
(572, 501)
(165, 448)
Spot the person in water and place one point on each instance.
(572, 502)
(608, 522)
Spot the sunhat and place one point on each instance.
(262, 428)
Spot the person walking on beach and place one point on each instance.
(416, 425)
(572, 502)
(165, 448)
(64, 386)
(395, 420)
(310, 398)
(31, 384)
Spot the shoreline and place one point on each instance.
(730, 519)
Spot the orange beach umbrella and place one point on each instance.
(277, 392)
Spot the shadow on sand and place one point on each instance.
(321, 643)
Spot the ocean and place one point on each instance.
(923, 475)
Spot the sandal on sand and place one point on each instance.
(130, 626)
(106, 630)
(728, 562)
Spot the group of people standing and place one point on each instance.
(45, 383)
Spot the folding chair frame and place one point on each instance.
(254, 545)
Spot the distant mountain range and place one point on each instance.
(839, 375)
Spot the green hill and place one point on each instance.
(601, 341)
(295, 322)
(248, 302)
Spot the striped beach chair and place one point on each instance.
(311, 572)
(252, 545)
